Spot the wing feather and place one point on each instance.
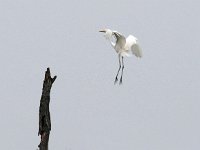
(120, 39)
(133, 46)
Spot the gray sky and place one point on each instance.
(157, 108)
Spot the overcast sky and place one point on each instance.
(156, 108)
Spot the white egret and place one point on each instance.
(123, 46)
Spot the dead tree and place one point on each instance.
(44, 114)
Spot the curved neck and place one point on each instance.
(111, 42)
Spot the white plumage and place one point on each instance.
(133, 46)
(125, 47)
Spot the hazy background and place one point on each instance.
(157, 107)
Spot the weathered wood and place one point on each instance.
(44, 114)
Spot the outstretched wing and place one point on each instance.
(120, 39)
(133, 46)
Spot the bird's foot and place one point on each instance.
(120, 82)
(116, 79)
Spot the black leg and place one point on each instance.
(122, 70)
(116, 79)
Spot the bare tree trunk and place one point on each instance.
(44, 114)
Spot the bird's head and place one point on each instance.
(108, 33)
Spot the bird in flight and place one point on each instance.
(124, 47)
